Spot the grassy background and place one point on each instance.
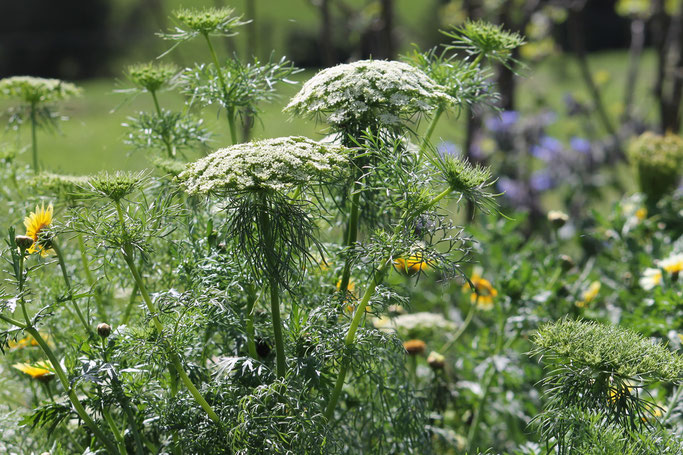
(92, 138)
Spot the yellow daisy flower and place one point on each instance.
(413, 265)
(483, 292)
(673, 264)
(42, 371)
(35, 223)
(28, 341)
(589, 294)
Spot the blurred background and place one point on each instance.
(591, 75)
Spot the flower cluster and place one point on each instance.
(658, 161)
(33, 90)
(151, 76)
(271, 164)
(368, 91)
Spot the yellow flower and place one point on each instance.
(28, 341)
(35, 223)
(589, 294)
(483, 292)
(651, 278)
(41, 371)
(413, 265)
(641, 213)
(673, 264)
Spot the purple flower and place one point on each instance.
(580, 144)
(447, 148)
(512, 189)
(547, 149)
(541, 181)
(503, 122)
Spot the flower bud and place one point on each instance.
(566, 262)
(436, 361)
(103, 330)
(415, 347)
(24, 242)
(557, 218)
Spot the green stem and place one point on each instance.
(224, 86)
(463, 327)
(164, 137)
(430, 131)
(351, 234)
(251, 345)
(131, 304)
(67, 281)
(127, 256)
(91, 281)
(12, 321)
(117, 434)
(80, 410)
(351, 336)
(34, 141)
(281, 361)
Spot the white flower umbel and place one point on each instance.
(368, 92)
(271, 164)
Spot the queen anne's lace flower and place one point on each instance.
(37, 89)
(368, 92)
(271, 164)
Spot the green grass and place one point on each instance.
(92, 138)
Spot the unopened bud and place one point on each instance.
(557, 218)
(24, 242)
(436, 361)
(415, 347)
(103, 330)
(566, 262)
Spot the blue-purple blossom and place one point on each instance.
(580, 144)
(547, 149)
(502, 122)
(541, 181)
(512, 189)
(447, 148)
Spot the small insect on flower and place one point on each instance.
(35, 225)
(483, 292)
(42, 371)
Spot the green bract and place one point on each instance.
(658, 161)
(115, 186)
(271, 164)
(486, 39)
(368, 92)
(35, 90)
(209, 21)
(66, 187)
(608, 349)
(151, 76)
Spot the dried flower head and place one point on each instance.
(152, 76)
(115, 186)
(436, 361)
(658, 161)
(368, 93)
(271, 164)
(34, 90)
(557, 218)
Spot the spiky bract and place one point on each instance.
(151, 76)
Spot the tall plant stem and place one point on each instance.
(264, 220)
(91, 281)
(251, 305)
(377, 279)
(80, 410)
(430, 130)
(114, 429)
(67, 281)
(463, 327)
(224, 86)
(351, 237)
(34, 141)
(175, 360)
(164, 137)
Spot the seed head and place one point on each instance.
(151, 76)
(436, 361)
(103, 329)
(415, 347)
(24, 242)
